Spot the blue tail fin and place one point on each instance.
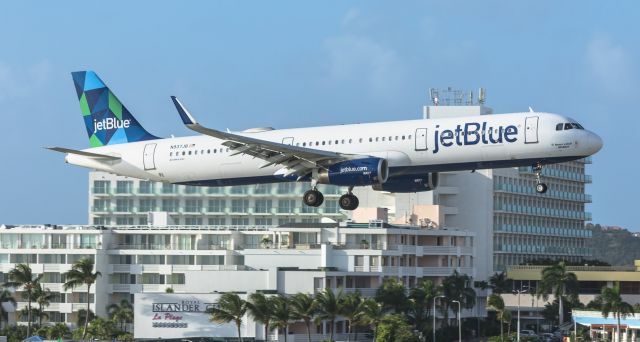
(108, 122)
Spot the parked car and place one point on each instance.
(527, 333)
(548, 337)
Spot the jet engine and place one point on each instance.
(356, 172)
(409, 183)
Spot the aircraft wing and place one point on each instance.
(294, 159)
(82, 153)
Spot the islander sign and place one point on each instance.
(172, 315)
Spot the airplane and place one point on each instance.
(396, 156)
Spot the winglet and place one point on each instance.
(187, 119)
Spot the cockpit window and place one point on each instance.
(568, 125)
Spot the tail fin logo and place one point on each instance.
(110, 123)
(106, 119)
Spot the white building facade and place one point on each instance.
(213, 259)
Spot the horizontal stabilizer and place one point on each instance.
(82, 153)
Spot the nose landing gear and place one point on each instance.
(541, 188)
(349, 201)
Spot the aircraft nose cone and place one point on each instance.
(595, 143)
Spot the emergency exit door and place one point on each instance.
(421, 139)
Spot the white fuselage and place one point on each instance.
(411, 147)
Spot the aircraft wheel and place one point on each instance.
(541, 188)
(313, 198)
(348, 202)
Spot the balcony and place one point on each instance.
(552, 194)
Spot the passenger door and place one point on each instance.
(531, 130)
(148, 157)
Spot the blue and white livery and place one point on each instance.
(395, 156)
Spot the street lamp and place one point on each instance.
(434, 316)
(524, 289)
(459, 325)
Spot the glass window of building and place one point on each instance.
(124, 187)
(120, 278)
(263, 221)
(239, 189)
(217, 221)
(193, 221)
(210, 260)
(124, 205)
(286, 206)
(286, 188)
(239, 221)
(52, 277)
(239, 205)
(190, 189)
(146, 187)
(124, 221)
(193, 205)
(331, 206)
(170, 205)
(180, 259)
(101, 187)
(175, 278)
(101, 205)
(147, 204)
(152, 278)
(310, 220)
(216, 205)
(167, 188)
(286, 220)
(33, 241)
(23, 258)
(4, 259)
(100, 221)
(262, 189)
(305, 209)
(263, 206)
(305, 238)
(10, 240)
(52, 258)
(121, 259)
(214, 190)
(151, 259)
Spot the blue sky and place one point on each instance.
(239, 64)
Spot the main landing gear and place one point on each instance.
(541, 188)
(314, 198)
(349, 201)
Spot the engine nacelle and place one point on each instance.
(365, 171)
(409, 183)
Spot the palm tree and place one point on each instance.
(421, 298)
(392, 295)
(5, 297)
(329, 307)
(457, 287)
(122, 313)
(499, 282)
(81, 273)
(230, 308)
(558, 281)
(43, 298)
(349, 309)
(371, 313)
(22, 277)
(612, 303)
(35, 312)
(260, 308)
(82, 316)
(496, 303)
(281, 314)
(303, 307)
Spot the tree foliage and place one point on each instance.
(395, 328)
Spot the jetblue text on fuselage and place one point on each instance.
(473, 133)
(110, 123)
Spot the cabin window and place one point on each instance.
(559, 127)
(567, 126)
(323, 143)
(409, 137)
(170, 154)
(349, 141)
(343, 140)
(304, 144)
(370, 139)
(403, 137)
(195, 152)
(360, 139)
(183, 153)
(338, 141)
(376, 139)
(317, 143)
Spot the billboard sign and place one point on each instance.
(178, 315)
